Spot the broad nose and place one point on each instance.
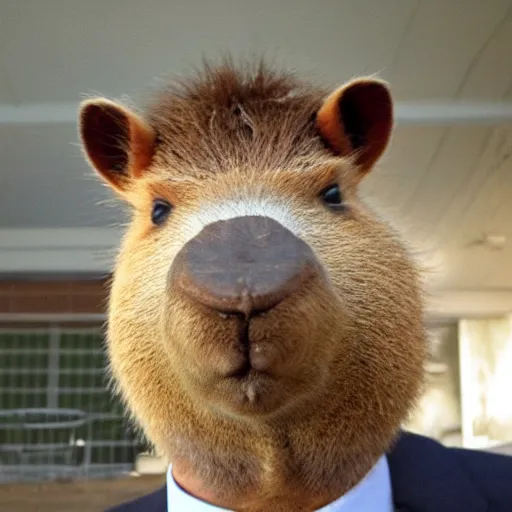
(246, 265)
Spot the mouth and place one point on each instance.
(245, 345)
(242, 372)
(254, 358)
(250, 379)
(252, 374)
(245, 368)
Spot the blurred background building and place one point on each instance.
(446, 183)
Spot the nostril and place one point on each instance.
(246, 266)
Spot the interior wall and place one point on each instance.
(438, 412)
(486, 380)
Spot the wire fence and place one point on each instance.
(57, 416)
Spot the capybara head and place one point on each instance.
(265, 326)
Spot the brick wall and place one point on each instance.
(53, 296)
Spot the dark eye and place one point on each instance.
(160, 212)
(332, 196)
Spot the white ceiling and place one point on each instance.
(444, 185)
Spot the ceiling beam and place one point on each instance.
(453, 113)
(411, 113)
(38, 113)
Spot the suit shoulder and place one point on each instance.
(491, 472)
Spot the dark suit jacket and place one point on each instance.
(425, 477)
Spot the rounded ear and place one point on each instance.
(118, 144)
(357, 120)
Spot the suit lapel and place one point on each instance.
(154, 502)
(427, 477)
(159, 503)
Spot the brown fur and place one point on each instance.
(251, 117)
(349, 348)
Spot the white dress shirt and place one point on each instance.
(372, 494)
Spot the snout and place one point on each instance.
(245, 265)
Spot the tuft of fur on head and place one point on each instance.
(233, 142)
(226, 117)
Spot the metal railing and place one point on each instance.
(40, 441)
(57, 416)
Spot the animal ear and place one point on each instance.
(118, 144)
(357, 120)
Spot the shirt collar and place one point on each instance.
(372, 494)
